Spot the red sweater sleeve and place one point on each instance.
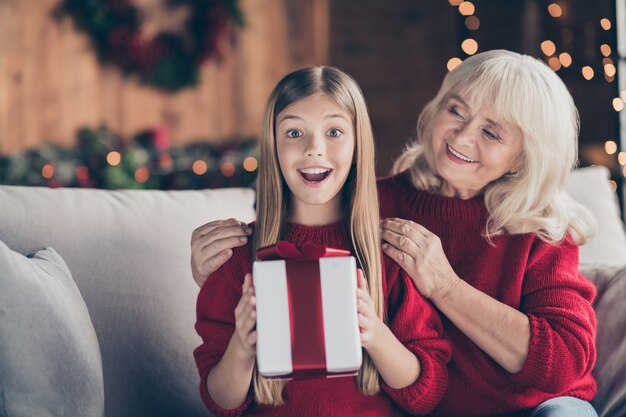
(416, 324)
(215, 323)
(558, 302)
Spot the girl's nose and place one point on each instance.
(315, 145)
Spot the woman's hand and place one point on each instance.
(420, 254)
(245, 319)
(370, 325)
(212, 245)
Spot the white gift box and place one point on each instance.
(342, 345)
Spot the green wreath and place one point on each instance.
(169, 61)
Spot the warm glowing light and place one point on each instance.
(610, 147)
(472, 23)
(199, 167)
(548, 47)
(587, 72)
(606, 61)
(453, 63)
(621, 158)
(555, 10)
(554, 63)
(467, 8)
(166, 161)
(618, 104)
(114, 158)
(228, 169)
(605, 23)
(82, 173)
(455, 2)
(250, 164)
(469, 46)
(609, 70)
(624, 171)
(605, 49)
(623, 95)
(609, 79)
(566, 59)
(47, 171)
(613, 185)
(142, 175)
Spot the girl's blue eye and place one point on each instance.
(294, 133)
(334, 133)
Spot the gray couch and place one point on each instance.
(126, 350)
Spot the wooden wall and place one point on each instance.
(51, 83)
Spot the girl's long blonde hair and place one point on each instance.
(527, 93)
(359, 195)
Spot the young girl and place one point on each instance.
(317, 184)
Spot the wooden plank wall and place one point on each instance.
(51, 83)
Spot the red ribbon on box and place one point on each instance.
(304, 289)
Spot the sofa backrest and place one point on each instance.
(128, 252)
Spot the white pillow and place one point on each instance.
(50, 363)
(590, 187)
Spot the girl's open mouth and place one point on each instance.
(314, 175)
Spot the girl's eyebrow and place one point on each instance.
(328, 116)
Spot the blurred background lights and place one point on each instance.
(227, 169)
(199, 167)
(609, 70)
(605, 23)
(142, 175)
(555, 10)
(469, 46)
(554, 63)
(610, 147)
(605, 49)
(455, 2)
(250, 164)
(472, 23)
(565, 59)
(618, 104)
(587, 72)
(467, 8)
(548, 47)
(114, 158)
(47, 171)
(621, 158)
(453, 63)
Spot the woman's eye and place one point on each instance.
(455, 112)
(294, 133)
(334, 133)
(491, 135)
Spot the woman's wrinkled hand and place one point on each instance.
(419, 252)
(212, 245)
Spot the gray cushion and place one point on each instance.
(129, 255)
(610, 370)
(50, 362)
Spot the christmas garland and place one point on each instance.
(169, 61)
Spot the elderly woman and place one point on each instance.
(477, 216)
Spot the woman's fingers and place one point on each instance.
(405, 227)
(406, 261)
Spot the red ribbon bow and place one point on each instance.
(308, 352)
